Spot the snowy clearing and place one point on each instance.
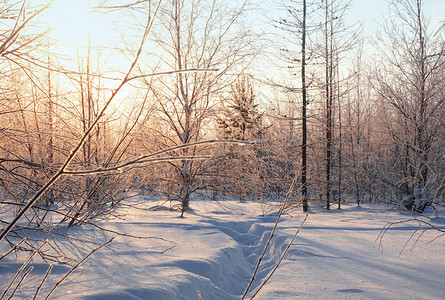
(337, 255)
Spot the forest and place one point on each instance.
(282, 103)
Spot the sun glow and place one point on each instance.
(71, 22)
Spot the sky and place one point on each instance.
(72, 20)
(73, 23)
(372, 12)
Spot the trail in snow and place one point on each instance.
(216, 257)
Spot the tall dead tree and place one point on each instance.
(295, 24)
(304, 111)
(339, 38)
(329, 97)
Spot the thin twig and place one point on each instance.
(75, 267)
(12, 249)
(25, 264)
(20, 282)
(43, 281)
(272, 234)
(16, 31)
(130, 235)
(283, 255)
(414, 219)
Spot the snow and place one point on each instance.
(215, 248)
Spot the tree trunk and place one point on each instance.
(304, 115)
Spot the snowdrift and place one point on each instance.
(215, 248)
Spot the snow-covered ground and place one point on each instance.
(215, 248)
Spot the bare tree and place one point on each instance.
(206, 41)
(408, 84)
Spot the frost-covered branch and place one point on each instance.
(149, 157)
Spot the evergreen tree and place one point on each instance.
(242, 119)
(243, 168)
